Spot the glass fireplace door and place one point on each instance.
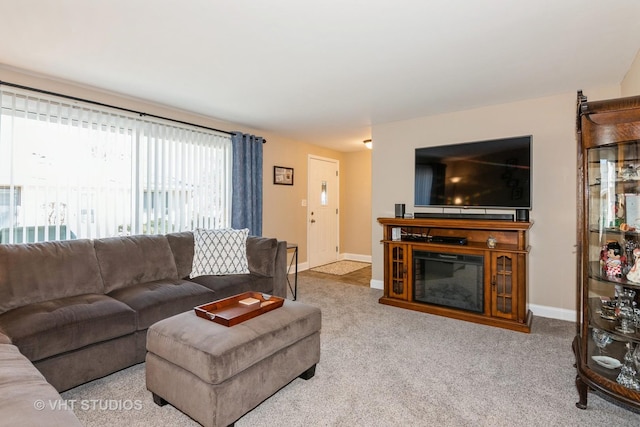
(449, 280)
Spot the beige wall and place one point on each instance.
(355, 199)
(283, 213)
(551, 121)
(284, 216)
(631, 83)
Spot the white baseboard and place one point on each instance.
(553, 312)
(302, 266)
(376, 284)
(355, 257)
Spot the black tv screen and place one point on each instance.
(485, 174)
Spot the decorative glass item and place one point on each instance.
(624, 311)
(602, 339)
(491, 242)
(608, 310)
(627, 375)
(636, 360)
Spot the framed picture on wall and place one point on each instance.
(282, 175)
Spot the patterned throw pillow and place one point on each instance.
(218, 252)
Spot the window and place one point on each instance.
(9, 199)
(86, 171)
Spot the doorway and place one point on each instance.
(322, 211)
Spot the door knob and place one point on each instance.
(312, 221)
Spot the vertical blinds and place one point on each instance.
(74, 170)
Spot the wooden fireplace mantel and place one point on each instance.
(504, 266)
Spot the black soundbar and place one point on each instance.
(449, 240)
(508, 217)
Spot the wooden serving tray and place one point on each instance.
(229, 311)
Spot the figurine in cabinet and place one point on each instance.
(614, 260)
(634, 274)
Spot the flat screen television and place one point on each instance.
(484, 174)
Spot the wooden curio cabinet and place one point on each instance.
(462, 277)
(607, 342)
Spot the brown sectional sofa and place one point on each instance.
(80, 309)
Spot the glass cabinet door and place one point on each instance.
(398, 268)
(503, 289)
(613, 285)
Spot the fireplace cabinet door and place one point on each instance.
(503, 285)
(399, 261)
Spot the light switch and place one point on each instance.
(303, 202)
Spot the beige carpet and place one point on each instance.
(385, 366)
(340, 268)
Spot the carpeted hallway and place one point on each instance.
(385, 366)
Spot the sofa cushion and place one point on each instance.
(182, 247)
(129, 260)
(221, 251)
(23, 388)
(154, 301)
(53, 327)
(36, 272)
(226, 286)
(261, 255)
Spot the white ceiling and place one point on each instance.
(323, 72)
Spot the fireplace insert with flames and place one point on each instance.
(449, 280)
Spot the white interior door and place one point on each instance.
(322, 211)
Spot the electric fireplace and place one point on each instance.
(449, 280)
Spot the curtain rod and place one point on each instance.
(140, 113)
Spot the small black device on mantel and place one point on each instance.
(450, 240)
(399, 210)
(522, 215)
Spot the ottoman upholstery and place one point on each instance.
(216, 374)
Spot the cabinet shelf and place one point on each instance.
(616, 350)
(609, 325)
(500, 247)
(610, 230)
(595, 272)
(634, 181)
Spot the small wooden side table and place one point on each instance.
(294, 260)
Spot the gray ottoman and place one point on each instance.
(216, 374)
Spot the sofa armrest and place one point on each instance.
(280, 277)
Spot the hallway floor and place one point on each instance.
(360, 277)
